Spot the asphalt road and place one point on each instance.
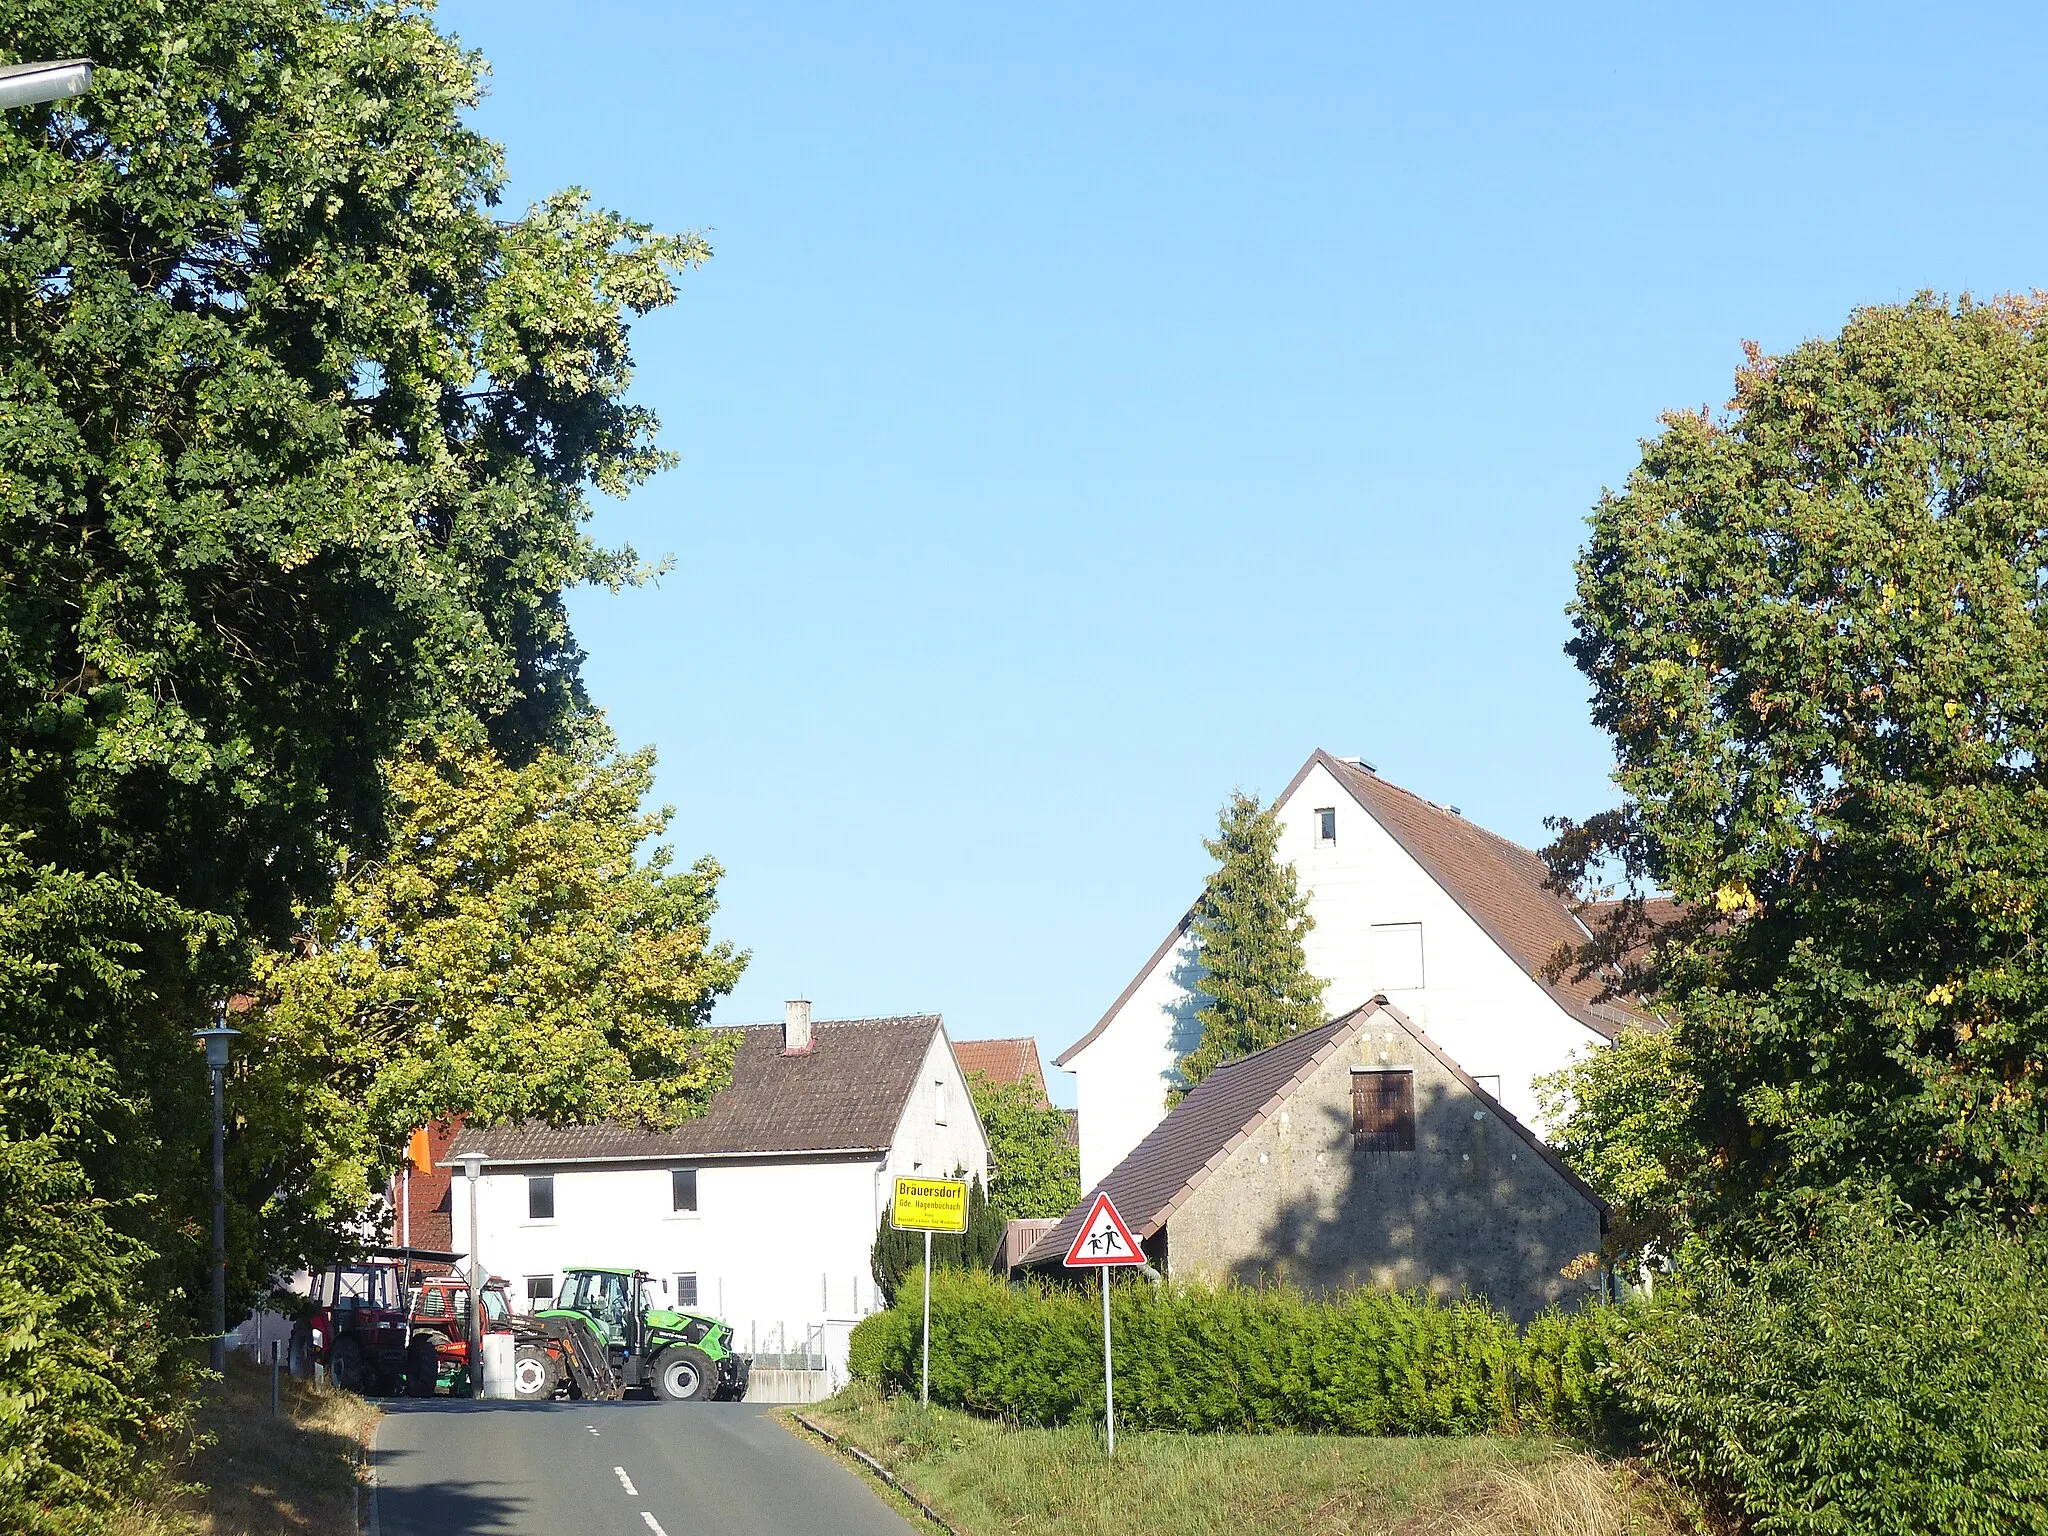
(451, 1467)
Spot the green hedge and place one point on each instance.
(1859, 1378)
(1189, 1358)
(1863, 1379)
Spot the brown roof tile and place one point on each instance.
(1004, 1061)
(845, 1094)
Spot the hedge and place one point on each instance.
(1189, 1358)
(1858, 1376)
(1865, 1379)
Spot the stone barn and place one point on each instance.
(1355, 1154)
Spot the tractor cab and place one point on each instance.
(683, 1356)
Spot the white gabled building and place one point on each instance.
(763, 1210)
(1411, 901)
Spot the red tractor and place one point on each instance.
(356, 1325)
(438, 1353)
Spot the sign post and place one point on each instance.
(928, 1206)
(1104, 1241)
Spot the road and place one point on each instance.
(451, 1467)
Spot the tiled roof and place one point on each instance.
(1499, 883)
(1004, 1061)
(1227, 1106)
(845, 1094)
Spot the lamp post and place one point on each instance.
(471, 1162)
(217, 1039)
(27, 85)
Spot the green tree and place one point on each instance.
(297, 435)
(1037, 1164)
(1815, 631)
(1248, 930)
(507, 956)
(896, 1254)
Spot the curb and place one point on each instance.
(376, 1526)
(873, 1466)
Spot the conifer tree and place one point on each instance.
(1248, 930)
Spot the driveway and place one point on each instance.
(452, 1467)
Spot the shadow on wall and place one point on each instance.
(1184, 1030)
(1471, 1212)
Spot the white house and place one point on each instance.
(762, 1211)
(1451, 923)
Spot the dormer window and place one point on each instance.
(1326, 827)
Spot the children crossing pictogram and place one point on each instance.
(1104, 1239)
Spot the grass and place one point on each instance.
(987, 1478)
(251, 1475)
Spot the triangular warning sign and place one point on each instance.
(1104, 1239)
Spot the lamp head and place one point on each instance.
(470, 1162)
(217, 1038)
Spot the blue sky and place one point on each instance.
(1089, 410)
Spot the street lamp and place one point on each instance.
(27, 85)
(471, 1162)
(217, 1039)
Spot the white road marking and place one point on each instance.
(591, 1427)
(653, 1524)
(627, 1482)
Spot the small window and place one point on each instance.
(682, 1189)
(686, 1290)
(540, 1197)
(1326, 826)
(1394, 953)
(540, 1289)
(1383, 1111)
(939, 1102)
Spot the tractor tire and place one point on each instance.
(299, 1356)
(422, 1365)
(533, 1373)
(350, 1373)
(684, 1375)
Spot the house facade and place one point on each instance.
(1412, 902)
(763, 1210)
(1356, 1154)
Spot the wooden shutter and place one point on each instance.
(1383, 1111)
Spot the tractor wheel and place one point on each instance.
(300, 1356)
(533, 1373)
(349, 1372)
(422, 1365)
(684, 1375)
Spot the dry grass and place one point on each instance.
(987, 1478)
(252, 1475)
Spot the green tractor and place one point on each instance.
(685, 1357)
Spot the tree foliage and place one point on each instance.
(297, 435)
(1248, 930)
(1037, 1164)
(507, 956)
(1816, 631)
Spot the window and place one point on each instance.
(1394, 953)
(1326, 826)
(1383, 1111)
(540, 1197)
(939, 1102)
(682, 1189)
(686, 1290)
(539, 1289)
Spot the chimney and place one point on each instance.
(796, 1028)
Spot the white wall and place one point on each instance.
(777, 1245)
(1475, 1001)
(925, 1145)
